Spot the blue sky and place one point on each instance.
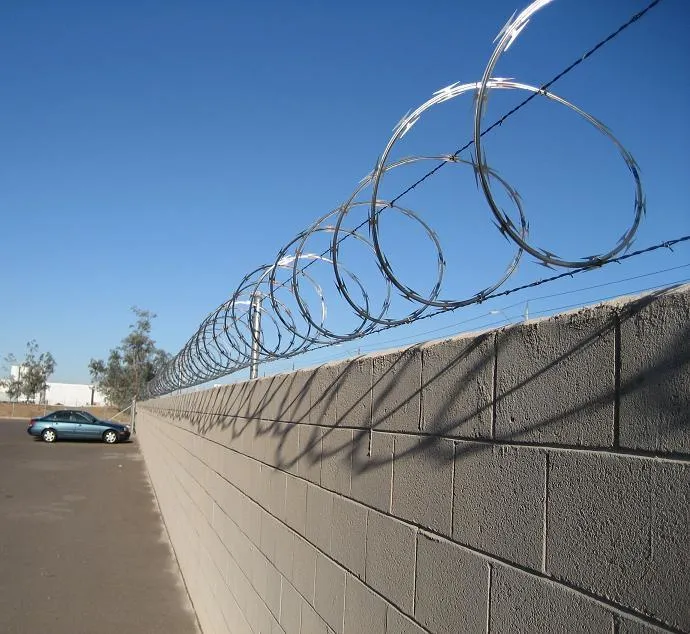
(154, 152)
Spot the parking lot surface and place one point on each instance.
(83, 549)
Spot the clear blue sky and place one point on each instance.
(153, 152)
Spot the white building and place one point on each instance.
(70, 394)
(73, 394)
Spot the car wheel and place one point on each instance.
(49, 435)
(110, 437)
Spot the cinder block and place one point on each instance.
(247, 441)
(571, 356)
(298, 401)
(280, 395)
(214, 485)
(217, 550)
(224, 399)
(336, 460)
(273, 590)
(218, 432)
(276, 493)
(655, 373)
(246, 599)
(319, 517)
(271, 402)
(228, 460)
(353, 405)
(349, 534)
(231, 469)
(451, 589)
(269, 536)
(372, 469)
(323, 392)
(365, 611)
(330, 592)
(310, 449)
(261, 491)
(396, 390)
(398, 623)
(304, 568)
(286, 452)
(390, 559)
(221, 404)
(296, 504)
(423, 481)
(498, 500)
(290, 609)
(264, 617)
(230, 500)
(259, 574)
(206, 451)
(250, 518)
(618, 527)
(457, 386)
(249, 479)
(277, 397)
(312, 623)
(284, 547)
(231, 612)
(244, 555)
(265, 440)
(242, 398)
(235, 578)
(521, 602)
(257, 395)
(215, 461)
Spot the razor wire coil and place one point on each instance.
(224, 342)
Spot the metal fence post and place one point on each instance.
(255, 325)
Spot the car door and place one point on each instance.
(63, 424)
(50, 421)
(82, 428)
(88, 427)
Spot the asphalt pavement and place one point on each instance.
(83, 549)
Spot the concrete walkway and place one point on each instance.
(82, 545)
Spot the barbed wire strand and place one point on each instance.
(667, 244)
(533, 95)
(543, 297)
(459, 324)
(413, 339)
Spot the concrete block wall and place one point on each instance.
(535, 478)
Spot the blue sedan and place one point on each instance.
(76, 424)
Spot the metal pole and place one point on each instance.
(255, 317)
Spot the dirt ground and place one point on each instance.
(27, 410)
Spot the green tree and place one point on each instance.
(11, 385)
(34, 371)
(129, 367)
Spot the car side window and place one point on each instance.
(51, 417)
(61, 416)
(78, 417)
